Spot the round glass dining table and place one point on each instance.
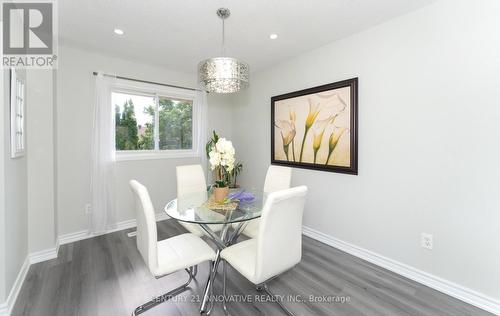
(195, 208)
(231, 217)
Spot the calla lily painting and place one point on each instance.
(316, 128)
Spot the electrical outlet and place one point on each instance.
(426, 241)
(88, 209)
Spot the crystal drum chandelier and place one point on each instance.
(223, 74)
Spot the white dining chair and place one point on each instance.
(278, 245)
(277, 178)
(191, 179)
(182, 252)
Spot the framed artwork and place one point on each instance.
(17, 111)
(316, 128)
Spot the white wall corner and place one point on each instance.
(8, 305)
(447, 287)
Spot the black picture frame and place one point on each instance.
(353, 128)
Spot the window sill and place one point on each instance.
(155, 154)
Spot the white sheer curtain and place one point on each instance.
(201, 102)
(102, 183)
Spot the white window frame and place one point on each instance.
(17, 115)
(157, 92)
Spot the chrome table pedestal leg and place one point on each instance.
(224, 241)
(208, 287)
(213, 273)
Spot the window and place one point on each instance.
(17, 99)
(153, 124)
(175, 124)
(134, 121)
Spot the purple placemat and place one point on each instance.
(241, 196)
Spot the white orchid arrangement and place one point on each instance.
(221, 155)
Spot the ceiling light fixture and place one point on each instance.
(273, 36)
(223, 74)
(119, 31)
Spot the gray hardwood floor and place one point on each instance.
(105, 275)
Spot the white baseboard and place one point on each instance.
(85, 234)
(131, 223)
(455, 290)
(72, 237)
(43, 255)
(6, 307)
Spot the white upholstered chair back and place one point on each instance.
(279, 241)
(190, 179)
(277, 178)
(147, 238)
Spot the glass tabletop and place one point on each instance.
(195, 208)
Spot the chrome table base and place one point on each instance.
(225, 240)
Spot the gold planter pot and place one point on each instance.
(220, 194)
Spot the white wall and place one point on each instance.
(428, 139)
(54, 152)
(2, 192)
(40, 160)
(74, 122)
(220, 107)
(16, 209)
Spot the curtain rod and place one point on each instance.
(151, 82)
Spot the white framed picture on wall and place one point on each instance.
(17, 112)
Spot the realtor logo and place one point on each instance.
(28, 35)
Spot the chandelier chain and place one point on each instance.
(223, 50)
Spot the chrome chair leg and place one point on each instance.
(224, 298)
(195, 271)
(211, 302)
(264, 287)
(165, 297)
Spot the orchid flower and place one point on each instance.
(336, 102)
(320, 126)
(334, 140)
(314, 109)
(293, 118)
(318, 130)
(287, 133)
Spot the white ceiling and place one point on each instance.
(180, 33)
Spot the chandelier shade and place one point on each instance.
(223, 74)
